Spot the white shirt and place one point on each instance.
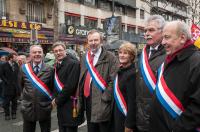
(40, 65)
(96, 56)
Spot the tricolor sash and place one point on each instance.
(96, 77)
(146, 71)
(119, 99)
(58, 84)
(35, 81)
(166, 97)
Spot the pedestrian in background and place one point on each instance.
(11, 89)
(124, 111)
(152, 56)
(98, 69)
(37, 83)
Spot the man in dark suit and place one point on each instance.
(37, 92)
(9, 75)
(66, 75)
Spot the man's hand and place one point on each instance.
(53, 103)
(128, 130)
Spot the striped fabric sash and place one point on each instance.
(58, 84)
(96, 77)
(166, 97)
(119, 99)
(35, 81)
(146, 71)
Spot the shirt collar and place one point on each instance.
(40, 65)
(97, 54)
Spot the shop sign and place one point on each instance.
(19, 25)
(77, 31)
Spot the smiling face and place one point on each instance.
(124, 57)
(36, 54)
(59, 52)
(153, 33)
(172, 41)
(94, 41)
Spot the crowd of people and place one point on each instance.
(159, 91)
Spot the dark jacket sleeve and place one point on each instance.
(189, 119)
(130, 120)
(70, 83)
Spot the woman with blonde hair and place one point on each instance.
(125, 90)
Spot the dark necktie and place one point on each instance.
(87, 81)
(152, 52)
(36, 69)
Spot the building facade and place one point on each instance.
(26, 21)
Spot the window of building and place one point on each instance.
(90, 22)
(75, 1)
(90, 2)
(141, 31)
(35, 12)
(104, 4)
(131, 29)
(2, 8)
(141, 14)
(120, 9)
(123, 28)
(72, 19)
(131, 12)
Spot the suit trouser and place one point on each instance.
(98, 127)
(29, 126)
(6, 104)
(68, 129)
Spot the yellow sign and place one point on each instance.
(20, 25)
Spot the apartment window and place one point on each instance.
(72, 19)
(90, 22)
(131, 12)
(90, 2)
(120, 9)
(35, 12)
(131, 29)
(2, 8)
(75, 1)
(141, 14)
(104, 4)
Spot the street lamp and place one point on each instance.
(113, 7)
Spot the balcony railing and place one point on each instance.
(36, 19)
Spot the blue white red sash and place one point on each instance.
(58, 84)
(166, 96)
(96, 77)
(36, 82)
(119, 99)
(147, 73)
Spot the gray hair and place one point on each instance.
(182, 27)
(32, 46)
(158, 18)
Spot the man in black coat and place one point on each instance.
(37, 92)
(9, 75)
(176, 103)
(66, 77)
(155, 54)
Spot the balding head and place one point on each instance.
(175, 34)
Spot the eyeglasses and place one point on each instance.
(60, 50)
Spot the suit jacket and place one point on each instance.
(68, 73)
(143, 96)
(182, 76)
(10, 77)
(101, 102)
(35, 104)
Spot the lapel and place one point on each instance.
(158, 52)
(102, 57)
(42, 68)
